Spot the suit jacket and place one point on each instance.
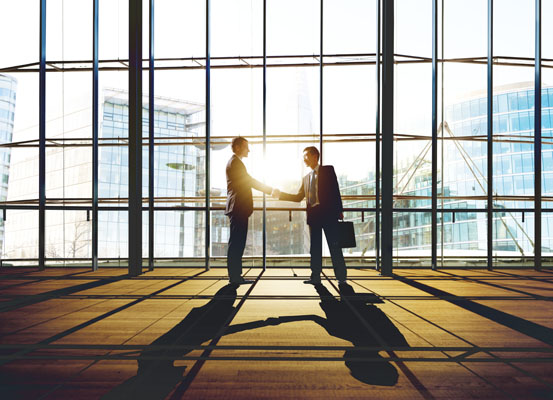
(330, 201)
(239, 188)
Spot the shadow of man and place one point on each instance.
(355, 318)
(156, 375)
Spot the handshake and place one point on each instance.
(275, 193)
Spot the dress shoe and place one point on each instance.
(312, 282)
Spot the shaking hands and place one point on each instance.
(275, 194)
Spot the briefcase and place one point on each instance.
(346, 234)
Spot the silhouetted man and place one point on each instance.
(239, 207)
(324, 209)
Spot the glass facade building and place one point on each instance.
(179, 173)
(8, 90)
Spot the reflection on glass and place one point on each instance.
(21, 235)
(68, 235)
(412, 238)
(513, 237)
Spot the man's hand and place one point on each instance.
(341, 216)
(276, 193)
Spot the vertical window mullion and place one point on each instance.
(537, 142)
(42, 138)
(207, 130)
(95, 135)
(490, 136)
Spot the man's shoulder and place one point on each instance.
(326, 168)
(234, 161)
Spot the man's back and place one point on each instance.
(239, 188)
(239, 192)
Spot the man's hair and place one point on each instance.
(237, 142)
(312, 150)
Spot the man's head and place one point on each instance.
(240, 146)
(311, 157)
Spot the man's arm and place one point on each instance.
(260, 186)
(239, 175)
(293, 197)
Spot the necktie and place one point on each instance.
(312, 189)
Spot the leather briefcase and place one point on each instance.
(346, 233)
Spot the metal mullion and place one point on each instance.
(377, 140)
(264, 129)
(490, 135)
(151, 133)
(95, 12)
(42, 138)
(135, 138)
(207, 130)
(387, 138)
(434, 238)
(321, 87)
(442, 141)
(537, 142)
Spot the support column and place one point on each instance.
(95, 5)
(135, 137)
(377, 142)
(490, 135)
(207, 133)
(537, 142)
(151, 148)
(434, 238)
(387, 138)
(42, 139)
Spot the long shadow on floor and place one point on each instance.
(346, 319)
(524, 326)
(156, 375)
(355, 318)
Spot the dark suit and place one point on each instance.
(323, 216)
(239, 207)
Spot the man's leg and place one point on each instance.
(338, 262)
(236, 245)
(316, 239)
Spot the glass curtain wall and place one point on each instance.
(547, 131)
(286, 75)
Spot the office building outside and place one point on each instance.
(68, 233)
(180, 172)
(465, 174)
(8, 89)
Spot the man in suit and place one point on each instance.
(324, 209)
(239, 207)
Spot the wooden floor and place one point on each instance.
(183, 333)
